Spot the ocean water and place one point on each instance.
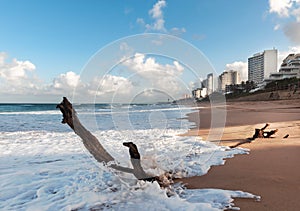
(44, 165)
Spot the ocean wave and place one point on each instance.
(51, 112)
(43, 170)
(110, 110)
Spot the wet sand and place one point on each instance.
(271, 169)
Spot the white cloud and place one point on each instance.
(284, 53)
(108, 88)
(195, 84)
(110, 85)
(2, 58)
(158, 22)
(149, 68)
(241, 67)
(125, 49)
(177, 31)
(142, 73)
(141, 22)
(146, 71)
(17, 81)
(296, 14)
(290, 10)
(156, 11)
(276, 27)
(17, 76)
(280, 7)
(14, 70)
(157, 15)
(66, 81)
(285, 8)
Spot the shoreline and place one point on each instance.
(248, 113)
(271, 169)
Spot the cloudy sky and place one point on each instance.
(50, 49)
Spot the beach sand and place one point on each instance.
(271, 169)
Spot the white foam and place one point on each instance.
(117, 110)
(52, 171)
(48, 112)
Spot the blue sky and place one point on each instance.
(45, 44)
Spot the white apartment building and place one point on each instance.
(260, 65)
(289, 68)
(228, 78)
(199, 93)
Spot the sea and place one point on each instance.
(44, 165)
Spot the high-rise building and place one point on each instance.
(260, 65)
(228, 78)
(204, 83)
(210, 85)
(199, 93)
(289, 68)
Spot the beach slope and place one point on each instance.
(271, 169)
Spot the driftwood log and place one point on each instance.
(259, 133)
(92, 144)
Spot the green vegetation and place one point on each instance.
(284, 84)
(242, 90)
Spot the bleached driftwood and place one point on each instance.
(92, 144)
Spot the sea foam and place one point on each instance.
(42, 170)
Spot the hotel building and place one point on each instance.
(260, 65)
(228, 78)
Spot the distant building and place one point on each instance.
(228, 78)
(210, 84)
(289, 68)
(199, 93)
(204, 83)
(187, 96)
(260, 65)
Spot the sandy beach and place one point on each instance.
(271, 169)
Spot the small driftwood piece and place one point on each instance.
(92, 144)
(259, 133)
